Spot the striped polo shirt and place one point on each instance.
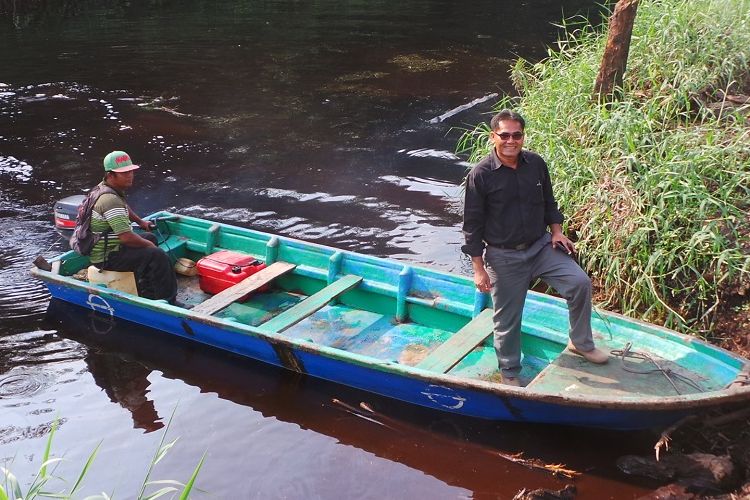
(110, 213)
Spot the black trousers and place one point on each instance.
(153, 269)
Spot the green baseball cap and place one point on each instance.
(118, 161)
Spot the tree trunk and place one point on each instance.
(616, 52)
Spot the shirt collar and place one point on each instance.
(496, 163)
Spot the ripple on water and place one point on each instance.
(23, 382)
(15, 168)
(22, 296)
(40, 348)
(390, 223)
(12, 433)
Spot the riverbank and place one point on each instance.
(656, 190)
(654, 185)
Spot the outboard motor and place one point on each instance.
(66, 211)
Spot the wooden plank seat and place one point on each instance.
(310, 305)
(226, 297)
(461, 343)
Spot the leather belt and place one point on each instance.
(520, 246)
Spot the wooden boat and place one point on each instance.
(416, 334)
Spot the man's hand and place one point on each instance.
(482, 280)
(146, 225)
(563, 242)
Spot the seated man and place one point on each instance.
(121, 249)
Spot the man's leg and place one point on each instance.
(561, 272)
(510, 278)
(144, 278)
(151, 265)
(162, 276)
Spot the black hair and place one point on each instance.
(507, 114)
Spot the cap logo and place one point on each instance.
(122, 159)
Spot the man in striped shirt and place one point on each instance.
(122, 249)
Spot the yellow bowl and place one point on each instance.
(185, 267)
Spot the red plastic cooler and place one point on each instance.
(220, 270)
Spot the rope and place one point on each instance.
(670, 374)
(55, 242)
(604, 320)
(742, 379)
(161, 236)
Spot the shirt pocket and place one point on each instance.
(535, 193)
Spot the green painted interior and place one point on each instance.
(435, 318)
(73, 263)
(372, 302)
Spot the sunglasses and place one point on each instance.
(517, 136)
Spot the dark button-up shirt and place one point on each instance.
(506, 206)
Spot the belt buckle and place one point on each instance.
(521, 246)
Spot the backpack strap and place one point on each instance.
(103, 189)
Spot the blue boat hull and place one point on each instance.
(439, 393)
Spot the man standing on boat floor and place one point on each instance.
(508, 207)
(121, 249)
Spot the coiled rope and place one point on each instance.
(669, 374)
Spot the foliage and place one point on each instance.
(10, 488)
(657, 184)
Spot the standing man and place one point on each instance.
(122, 249)
(509, 206)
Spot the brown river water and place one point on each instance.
(315, 120)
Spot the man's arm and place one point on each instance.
(473, 229)
(117, 214)
(143, 224)
(130, 239)
(552, 215)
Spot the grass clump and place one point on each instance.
(656, 185)
(45, 483)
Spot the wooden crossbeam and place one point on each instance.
(310, 305)
(461, 343)
(224, 298)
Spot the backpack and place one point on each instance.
(83, 239)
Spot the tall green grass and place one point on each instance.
(46, 484)
(656, 185)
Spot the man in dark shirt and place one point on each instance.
(508, 207)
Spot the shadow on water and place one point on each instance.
(471, 454)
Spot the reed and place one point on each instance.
(656, 185)
(47, 485)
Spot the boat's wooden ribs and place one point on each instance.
(461, 343)
(249, 284)
(310, 305)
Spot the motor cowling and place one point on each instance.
(65, 213)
